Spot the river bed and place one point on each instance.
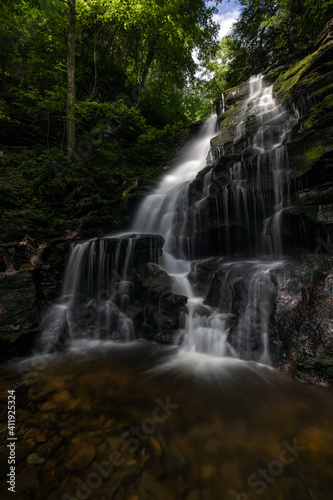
(140, 421)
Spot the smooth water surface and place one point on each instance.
(170, 427)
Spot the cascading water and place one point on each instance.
(158, 212)
(96, 291)
(248, 205)
(98, 279)
(247, 200)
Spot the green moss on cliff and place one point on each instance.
(227, 125)
(308, 85)
(286, 82)
(319, 112)
(313, 154)
(230, 117)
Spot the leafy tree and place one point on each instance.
(216, 69)
(71, 90)
(155, 37)
(140, 51)
(270, 32)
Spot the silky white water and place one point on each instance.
(158, 210)
(157, 214)
(98, 286)
(206, 330)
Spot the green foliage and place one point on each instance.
(215, 78)
(3, 112)
(137, 52)
(43, 187)
(273, 32)
(312, 155)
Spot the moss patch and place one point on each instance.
(319, 112)
(312, 155)
(285, 84)
(227, 129)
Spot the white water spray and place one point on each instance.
(98, 282)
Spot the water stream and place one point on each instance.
(98, 283)
(114, 417)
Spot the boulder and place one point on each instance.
(18, 314)
(304, 317)
(160, 308)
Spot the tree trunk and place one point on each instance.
(95, 75)
(70, 111)
(149, 60)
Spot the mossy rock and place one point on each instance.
(227, 126)
(308, 86)
(285, 84)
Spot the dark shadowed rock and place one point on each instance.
(153, 294)
(304, 316)
(18, 314)
(151, 282)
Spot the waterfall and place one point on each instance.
(97, 289)
(247, 199)
(158, 211)
(234, 317)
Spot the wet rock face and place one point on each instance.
(146, 247)
(307, 86)
(304, 89)
(245, 291)
(304, 317)
(202, 273)
(25, 295)
(18, 314)
(157, 306)
(228, 218)
(294, 302)
(113, 289)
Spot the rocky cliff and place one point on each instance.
(295, 295)
(300, 301)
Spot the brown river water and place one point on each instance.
(146, 422)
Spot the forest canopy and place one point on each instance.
(140, 52)
(96, 95)
(267, 34)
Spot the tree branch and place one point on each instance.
(36, 251)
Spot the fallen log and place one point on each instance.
(36, 250)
